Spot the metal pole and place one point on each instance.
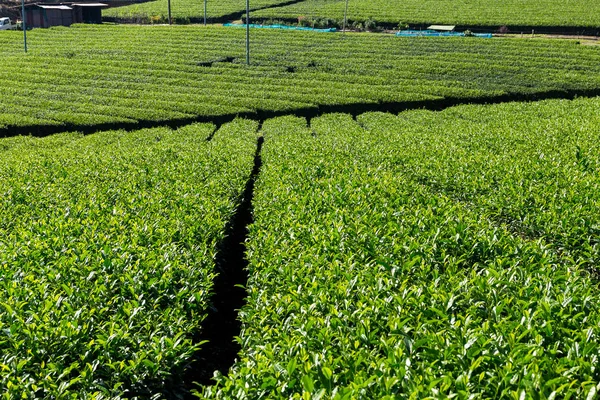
(345, 17)
(204, 12)
(24, 24)
(169, 6)
(248, 32)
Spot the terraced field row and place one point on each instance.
(110, 76)
(552, 13)
(107, 248)
(425, 255)
(531, 13)
(185, 10)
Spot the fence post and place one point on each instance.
(169, 8)
(248, 32)
(345, 17)
(24, 24)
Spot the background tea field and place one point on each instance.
(530, 13)
(107, 77)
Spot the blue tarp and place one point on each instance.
(293, 28)
(430, 33)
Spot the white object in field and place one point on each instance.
(5, 24)
(442, 28)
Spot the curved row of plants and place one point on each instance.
(184, 11)
(371, 14)
(107, 246)
(425, 255)
(90, 75)
(544, 13)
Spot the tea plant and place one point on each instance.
(106, 256)
(379, 266)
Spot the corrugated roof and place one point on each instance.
(89, 5)
(54, 7)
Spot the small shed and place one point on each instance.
(45, 15)
(88, 13)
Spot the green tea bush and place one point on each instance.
(106, 256)
(424, 255)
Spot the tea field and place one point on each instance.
(513, 13)
(106, 76)
(107, 245)
(185, 11)
(531, 13)
(410, 217)
(425, 255)
(420, 254)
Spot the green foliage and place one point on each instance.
(106, 256)
(319, 22)
(420, 255)
(402, 25)
(579, 13)
(370, 25)
(381, 266)
(183, 10)
(91, 75)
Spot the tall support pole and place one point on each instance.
(345, 17)
(248, 32)
(204, 12)
(24, 24)
(169, 7)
